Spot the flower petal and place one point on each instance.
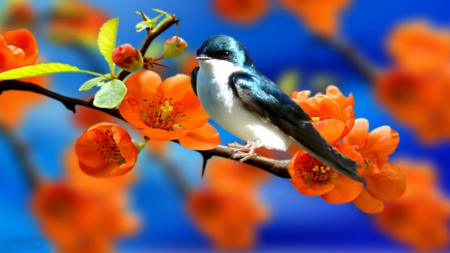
(164, 135)
(368, 204)
(143, 84)
(330, 129)
(311, 189)
(345, 190)
(385, 181)
(381, 142)
(202, 138)
(358, 134)
(175, 87)
(196, 116)
(130, 111)
(24, 40)
(6, 59)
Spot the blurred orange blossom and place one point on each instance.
(83, 213)
(417, 46)
(415, 89)
(75, 21)
(241, 11)
(321, 16)
(168, 110)
(419, 218)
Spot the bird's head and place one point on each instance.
(224, 48)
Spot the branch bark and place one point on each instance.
(277, 167)
(21, 151)
(367, 70)
(148, 40)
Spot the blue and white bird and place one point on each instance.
(250, 106)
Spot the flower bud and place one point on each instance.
(174, 47)
(128, 58)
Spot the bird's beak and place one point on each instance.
(202, 57)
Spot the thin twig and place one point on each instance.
(21, 152)
(276, 167)
(366, 68)
(148, 40)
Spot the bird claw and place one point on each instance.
(244, 152)
(243, 155)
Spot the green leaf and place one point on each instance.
(107, 39)
(143, 25)
(110, 94)
(288, 81)
(41, 69)
(91, 83)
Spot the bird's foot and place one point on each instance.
(244, 152)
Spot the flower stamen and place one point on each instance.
(109, 150)
(314, 170)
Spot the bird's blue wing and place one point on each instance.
(194, 79)
(267, 100)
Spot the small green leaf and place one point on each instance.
(91, 83)
(289, 81)
(143, 25)
(40, 70)
(110, 94)
(107, 39)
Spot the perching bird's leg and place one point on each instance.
(244, 152)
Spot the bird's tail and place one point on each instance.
(310, 140)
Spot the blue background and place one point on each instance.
(277, 43)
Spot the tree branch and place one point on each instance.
(68, 102)
(276, 167)
(363, 66)
(21, 151)
(148, 40)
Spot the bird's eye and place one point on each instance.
(226, 54)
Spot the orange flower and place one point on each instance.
(76, 220)
(241, 11)
(384, 181)
(83, 213)
(109, 194)
(17, 48)
(418, 47)
(228, 219)
(73, 22)
(95, 186)
(168, 110)
(420, 217)
(106, 150)
(321, 16)
(332, 105)
(418, 100)
(63, 211)
(313, 178)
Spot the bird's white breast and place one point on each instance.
(227, 110)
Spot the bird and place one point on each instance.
(250, 106)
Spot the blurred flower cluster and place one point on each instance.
(415, 88)
(81, 213)
(227, 209)
(420, 217)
